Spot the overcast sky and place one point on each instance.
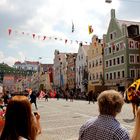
(53, 18)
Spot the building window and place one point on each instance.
(93, 76)
(114, 61)
(114, 75)
(107, 76)
(100, 61)
(109, 49)
(89, 64)
(131, 58)
(137, 58)
(136, 45)
(122, 59)
(123, 74)
(131, 44)
(97, 76)
(110, 62)
(132, 73)
(96, 62)
(93, 64)
(117, 47)
(111, 36)
(118, 74)
(138, 73)
(110, 76)
(118, 60)
(106, 63)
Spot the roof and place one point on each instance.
(17, 62)
(127, 23)
(32, 62)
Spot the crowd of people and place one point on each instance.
(20, 123)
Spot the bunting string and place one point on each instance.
(44, 37)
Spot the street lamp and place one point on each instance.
(108, 1)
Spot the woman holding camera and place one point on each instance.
(20, 123)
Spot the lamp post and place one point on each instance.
(60, 74)
(74, 59)
(39, 68)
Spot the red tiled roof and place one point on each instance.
(17, 62)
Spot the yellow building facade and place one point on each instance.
(95, 63)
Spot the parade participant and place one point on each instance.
(136, 131)
(71, 95)
(105, 126)
(45, 95)
(90, 96)
(33, 97)
(132, 95)
(20, 123)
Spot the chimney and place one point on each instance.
(112, 13)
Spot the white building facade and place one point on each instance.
(81, 64)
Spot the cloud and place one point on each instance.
(54, 18)
(8, 60)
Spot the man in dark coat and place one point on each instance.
(33, 98)
(90, 96)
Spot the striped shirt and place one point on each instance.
(103, 127)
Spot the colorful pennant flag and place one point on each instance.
(9, 31)
(72, 28)
(33, 35)
(90, 29)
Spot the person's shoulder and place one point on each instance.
(89, 122)
(122, 133)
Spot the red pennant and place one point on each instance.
(33, 35)
(66, 40)
(44, 37)
(9, 31)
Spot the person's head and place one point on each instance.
(110, 102)
(19, 120)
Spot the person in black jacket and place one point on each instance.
(90, 96)
(33, 98)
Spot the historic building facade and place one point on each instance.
(121, 53)
(71, 71)
(95, 63)
(81, 67)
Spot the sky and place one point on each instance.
(53, 19)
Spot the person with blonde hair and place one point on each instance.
(105, 126)
(20, 122)
(136, 131)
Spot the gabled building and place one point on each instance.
(71, 71)
(121, 53)
(27, 65)
(60, 70)
(81, 67)
(95, 63)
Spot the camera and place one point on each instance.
(35, 113)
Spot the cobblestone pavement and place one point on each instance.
(61, 120)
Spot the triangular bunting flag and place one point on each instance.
(9, 31)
